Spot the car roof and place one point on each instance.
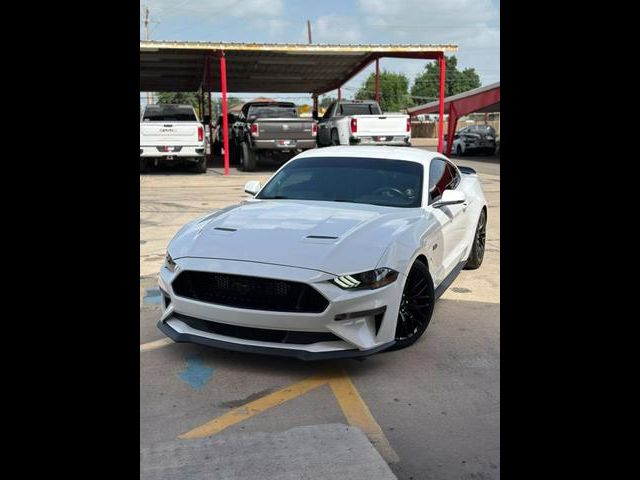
(391, 153)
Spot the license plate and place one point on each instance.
(168, 149)
(286, 142)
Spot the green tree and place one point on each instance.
(394, 91)
(428, 83)
(326, 101)
(231, 102)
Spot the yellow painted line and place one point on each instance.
(254, 408)
(359, 415)
(147, 347)
(353, 406)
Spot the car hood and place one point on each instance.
(325, 236)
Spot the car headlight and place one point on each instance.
(366, 280)
(169, 263)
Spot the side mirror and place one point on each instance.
(206, 119)
(252, 187)
(450, 197)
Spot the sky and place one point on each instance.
(474, 25)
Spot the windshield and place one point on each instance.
(169, 113)
(390, 183)
(359, 109)
(272, 111)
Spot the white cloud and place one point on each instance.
(471, 24)
(223, 8)
(335, 29)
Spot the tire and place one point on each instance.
(234, 157)
(335, 138)
(458, 151)
(201, 166)
(248, 159)
(416, 306)
(144, 166)
(477, 250)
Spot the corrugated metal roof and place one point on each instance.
(266, 67)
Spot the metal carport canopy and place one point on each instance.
(168, 66)
(479, 100)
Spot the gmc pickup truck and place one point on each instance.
(270, 130)
(361, 122)
(172, 134)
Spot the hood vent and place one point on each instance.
(322, 237)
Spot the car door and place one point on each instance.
(444, 175)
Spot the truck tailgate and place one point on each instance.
(392, 124)
(284, 128)
(160, 133)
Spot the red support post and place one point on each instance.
(225, 120)
(209, 88)
(451, 127)
(378, 80)
(443, 72)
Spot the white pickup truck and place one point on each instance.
(172, 134)
(361, 122)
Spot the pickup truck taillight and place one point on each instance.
(200, 134)
(314, 129)
(354, 125)
(255, 130)
(408, 124)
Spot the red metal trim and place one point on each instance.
(451, 127)
(378, 80)
(443, 75)
(225, 120)
(414, 55)
(467, 105)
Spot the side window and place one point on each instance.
(437, 171)
(442, 176)
(455, 176)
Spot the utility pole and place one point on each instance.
(146, 37)
(309, 29)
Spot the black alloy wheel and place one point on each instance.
(416, 306)
(477, 250)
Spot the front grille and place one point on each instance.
(253, 293)
(260, 334)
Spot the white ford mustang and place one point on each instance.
(342, 253)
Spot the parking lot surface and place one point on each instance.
(431, 411)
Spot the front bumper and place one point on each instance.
(358, 333)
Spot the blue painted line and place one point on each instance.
(196, 374)
(152, 296)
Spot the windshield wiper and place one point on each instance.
(276, 197)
